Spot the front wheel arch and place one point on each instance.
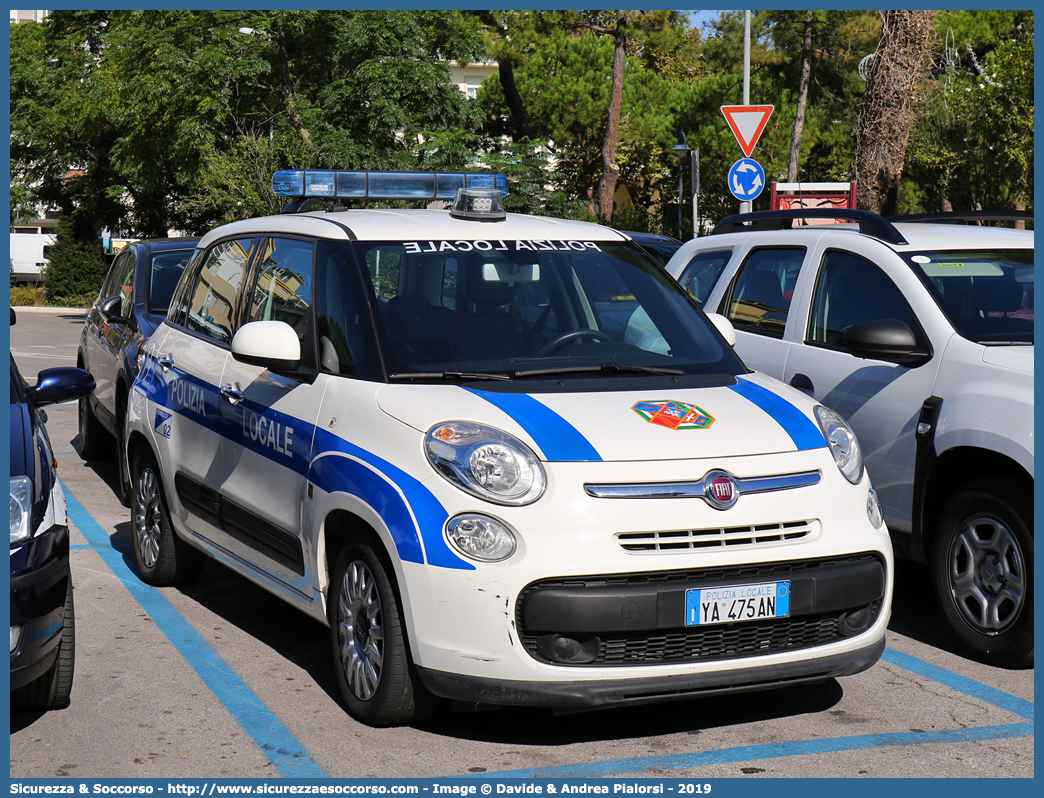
(361, 576)
(950, 474)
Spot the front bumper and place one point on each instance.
(619, 692)
(638, 619)
(39, 584)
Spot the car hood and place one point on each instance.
(756, 415)
(20, 441)
(1019, 358)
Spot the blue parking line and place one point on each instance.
(962, 684)
(271, 736)
(750, 753)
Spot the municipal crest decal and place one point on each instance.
(673, 415)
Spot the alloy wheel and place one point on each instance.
(147, 513)
(360, 630)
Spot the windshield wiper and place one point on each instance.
(1005, 343)
(604, 368)
(447, 375)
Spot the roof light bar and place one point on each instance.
(365, 185)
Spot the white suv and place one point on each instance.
(919, 332)
(427, 429)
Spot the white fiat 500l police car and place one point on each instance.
(920, 334)
(438, 432)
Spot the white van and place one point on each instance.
(29, 256)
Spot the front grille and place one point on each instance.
(724, 537)
(720, 642)
(703, 644)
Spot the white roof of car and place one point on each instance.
(922, 235)
(410, 225)
(919, 236)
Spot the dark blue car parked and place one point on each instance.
(132, 303)
(43, 632)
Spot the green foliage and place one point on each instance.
(563, 73)
(532, 175)
(144, 121)
(840, 40)
(76, 266)
(973, 145)
(27, 296)
(134, 117)
(236, 183)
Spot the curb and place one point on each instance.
(43, 309)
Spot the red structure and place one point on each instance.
(784, 196)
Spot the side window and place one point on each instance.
(214, 295)
(763, 289)
(125, 285)
(283, 291)
(112, 280)
(346, 340)
(703, 271)
(851, 290)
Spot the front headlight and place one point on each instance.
(21, 496)
(844, 445)
(485, 462)
(481, 537)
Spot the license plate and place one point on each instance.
(735, 603)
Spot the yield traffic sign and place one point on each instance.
(747, 123)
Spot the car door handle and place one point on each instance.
(166, 363)
(803, 383)
(234, 395)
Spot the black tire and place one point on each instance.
(52, 689)
(95, 441)
(376, 677)
(982, 568)
(162, 558)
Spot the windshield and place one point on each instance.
(516, 309)
(986, 294)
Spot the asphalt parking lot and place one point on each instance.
(221, 679)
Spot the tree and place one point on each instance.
(132, 117)
(973, 144)
(610, 169)
(565, 78)
(802, 97)
(894, 80)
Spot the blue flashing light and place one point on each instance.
(366, 185)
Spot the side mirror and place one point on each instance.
(60, 385)
(270, 344)
(724, 326)
(111, 309)
(885, 339)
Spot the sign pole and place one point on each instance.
(745, 205)
(695, 191)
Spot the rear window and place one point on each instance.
(164, 276)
